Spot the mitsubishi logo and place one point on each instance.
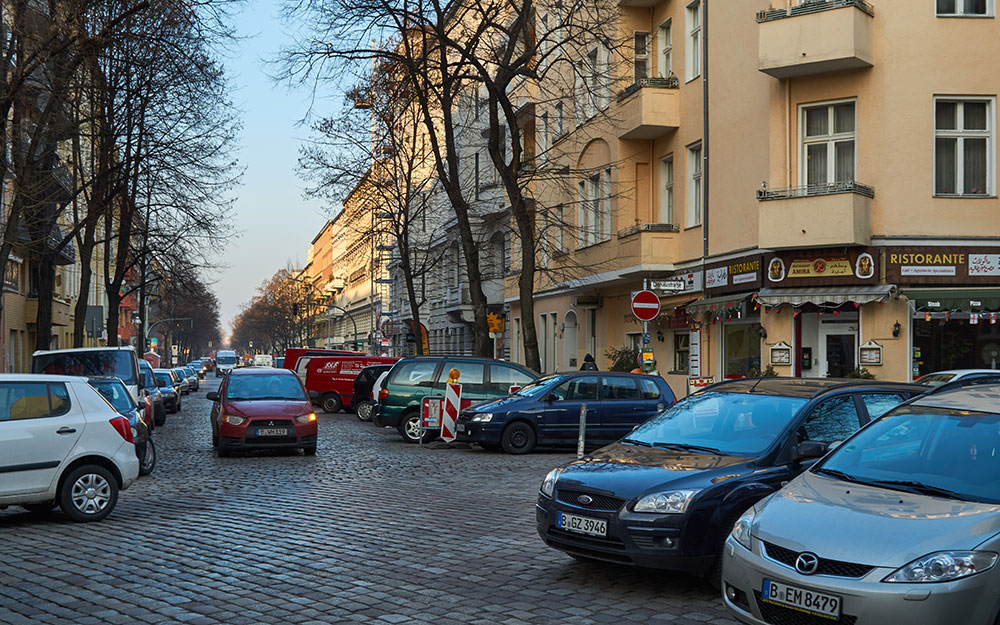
(807, 563)
(270, 423)
(585, 500)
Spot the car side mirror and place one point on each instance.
(315, 395)
(213, 396)
(810, 450)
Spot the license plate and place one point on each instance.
(272, 432)
(802, 599)
(582, 524)
(459, 427)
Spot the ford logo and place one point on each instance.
(585, 500)
(807, 563)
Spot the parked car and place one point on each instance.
(154, 395)
(939, 378)
(667, 495)
(412, 379)
(185, 387)
(225, 361)
(362, 397)
(171, 388)
(259, 408)
(547, 411)
(199, 367)
(279, 362)
(192, 377)
(61, 444)
(114, 391)
(899, 524)
(120, 362)
(331, 378)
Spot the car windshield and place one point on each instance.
(111, 362)
(930, 451)
(540, 387)
(936, 379)
(254, 387)
(116, 394)
(165, 377)
(226, 360)
(736, 424)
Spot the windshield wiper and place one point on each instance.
(633, 441)
(686, 447)
(920, 488)
(840, 475)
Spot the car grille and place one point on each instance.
(271, 423)
(600, 502)
(779, 615)
(835, 568)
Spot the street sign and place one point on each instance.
(645, 305)
(449, 416)
(431, 409)
(645, 338)
(174, 350)
(667, 285)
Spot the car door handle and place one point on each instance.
(65, 430)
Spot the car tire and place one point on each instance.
(39, 508)
(215, 439)
(518, 438)
(160, 416)
(714, 575)
(148, 461)
(310, 450)
(330, 403)
(409, 429)
(88, 493)
(364, 410)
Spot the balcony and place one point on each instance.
(815, 215)
(649, 108)
(815, 36)
(62, 312)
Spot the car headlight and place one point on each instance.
(233, 419)
(549, 483)
(943, 566)
(741, 529)
(482, 417)
(670, 502)
(306, 418)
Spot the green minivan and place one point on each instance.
(412, 379)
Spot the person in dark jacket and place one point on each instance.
(588, 364)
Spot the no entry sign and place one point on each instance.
(645, 305)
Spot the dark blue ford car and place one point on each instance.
(547, 411)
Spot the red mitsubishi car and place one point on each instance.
(262, 408)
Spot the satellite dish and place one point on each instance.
(991, 354)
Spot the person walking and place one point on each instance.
(588, 364)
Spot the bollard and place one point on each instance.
(583, 430)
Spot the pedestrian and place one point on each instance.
(588, 364)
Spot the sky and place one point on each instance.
(275, 222)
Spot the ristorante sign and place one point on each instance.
(942, 265)
(734, 276)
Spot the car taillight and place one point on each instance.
(121, 424)
(382, 394)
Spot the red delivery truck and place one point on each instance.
(293, 354)
(333, 377)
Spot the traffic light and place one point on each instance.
(494, 322)
(154, 343)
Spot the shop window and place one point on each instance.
(742, 346)
(833, 420)
(682, 351)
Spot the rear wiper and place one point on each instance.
(921, 489)
(686, 447)
(633, 441)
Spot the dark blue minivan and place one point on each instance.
(547, 411)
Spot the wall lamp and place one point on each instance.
(896, 329)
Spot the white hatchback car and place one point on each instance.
(62, 444)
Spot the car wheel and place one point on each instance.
(88, 493)
(39, 508)
(518, 438)
(215, 439)
(148, 462)
(714, 575)
(310, 450)
(364, 410)
(409, 428)
(330, 403)
(160, 415)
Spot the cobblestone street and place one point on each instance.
(369, 530)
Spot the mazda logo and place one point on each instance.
(585, 500)
(807, 563)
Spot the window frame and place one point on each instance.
(644, 57)
(695, 194)
(960, 134)
(692, 40)
(830, 139)
(960, 11)
(665, 48)
(667, 188)
(51, 413)
(682, 350)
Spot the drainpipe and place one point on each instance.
(704, 139)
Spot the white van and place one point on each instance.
(118, 362)
(263, 360)
(225, 361)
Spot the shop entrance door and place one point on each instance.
(837, 350)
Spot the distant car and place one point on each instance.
(171, 388)
(939, 378)
(186, 386)
(154, 395)
(113, 390)
(547, 411)
(262, 408)
(263, 360)
(362, 400)
(198, 366)
(192, 378)
(61, 444)
(896, 525)
(225, 361)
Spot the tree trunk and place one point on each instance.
(114, 302)
(526, 290)
(46, 287)
(87, 245)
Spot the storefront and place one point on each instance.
(954, 305)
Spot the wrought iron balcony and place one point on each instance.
(809, 190)
(812, 6)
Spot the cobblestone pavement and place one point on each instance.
(369, 530)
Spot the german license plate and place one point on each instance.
(459, 427)
(802, 599)
(272, 432)
(582, 524)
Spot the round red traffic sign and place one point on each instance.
(645, 305)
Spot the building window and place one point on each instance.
(560, 224)
(665, 41)
(592, 81)
(963, 140)
(476, 167)
(594, 208)
(682, 350)
(580, 93)
(956, 8)
(693, 48)
(640, 55)
(667, 191)
(694, 186)
(828, 143)
(543, 137)
(606, 206)
(560, 129)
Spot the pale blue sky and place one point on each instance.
(277, 223)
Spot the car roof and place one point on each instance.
(40, 377)
(979, 398)
(804, 387)
(262, 370)
(103, 378)
(961, 372)
(70, 350)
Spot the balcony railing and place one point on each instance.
(637, 228)
(670, 82)
(812, 6)
(810, 190)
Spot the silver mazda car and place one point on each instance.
(899, 524)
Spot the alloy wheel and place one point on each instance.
(91, 493)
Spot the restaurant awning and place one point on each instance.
(825, 295)
(723, 302)
(954, 299)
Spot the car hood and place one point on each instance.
(628, 471)
(511, 402)
(268, 408)
(868, 525)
